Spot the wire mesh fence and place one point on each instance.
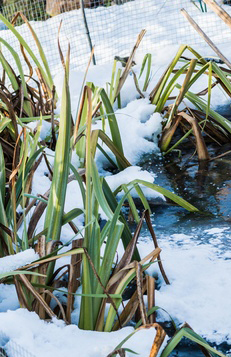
(113, 26)
(33, 10)
(9, 348)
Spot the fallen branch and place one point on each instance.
(205, 37)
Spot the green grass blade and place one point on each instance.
(169, 88)
(125, 340)
(147, 59)
(115, 231)
(54, 214)
(161, 87)
(81, 144)
(122, 285)
(183, 90)
(36, 137)
(5, 121)
(98, 191)
(110, 250)
(104, 232)
(10, 73)
(202, 105)
(33, 196)
(2, 175)
(115, 133)
(24, 243)
(45, 117)
(209, 89)
(191, 335)
(3, 217)
(124, 163)
(74, 213)
(29, 165)
(46, 76)
(126, 235)
(131, 204)
(221, 76)
(87, 308)
(197, 55)
(118, 76)
(17, 272)
(150, 312)
(112, 82)
(172, 344)
(110, 160)
(172, 196)
(41, 52)
(142, 198)
(94, 252)
(26, 104)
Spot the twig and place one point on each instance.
(219, 11)
(220, 156)
(129, 63)
(205, 37)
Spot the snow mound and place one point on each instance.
(13, 262)
(57, 339)
(129, 174)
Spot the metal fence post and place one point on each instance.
(87, 29)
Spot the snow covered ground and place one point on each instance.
(57, 340)
(199, 294)
(200, 276)
(114, 31)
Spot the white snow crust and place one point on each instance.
(56, 339)
(13, 262)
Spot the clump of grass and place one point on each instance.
(202, 120)
(93, 257)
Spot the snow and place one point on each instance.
(129, 174)
(143, 126)
(138, 120)
(13, 262)
(114, 30)
(200, 289)
(199, 292)
(216, 230)
(57, 339)
(8, 298)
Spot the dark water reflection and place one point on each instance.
(207, 186)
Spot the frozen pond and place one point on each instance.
(208, 188)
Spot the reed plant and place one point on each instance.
(93, 263)
(203, 119)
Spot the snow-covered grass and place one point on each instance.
(199, 294)
(199, 291)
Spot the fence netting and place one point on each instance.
(9, 348)
(113, 26)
